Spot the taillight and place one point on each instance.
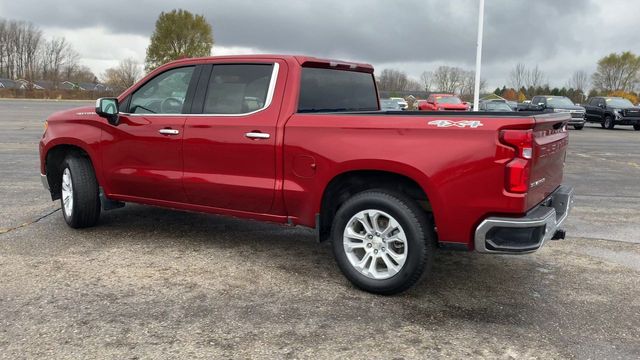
(517, 170)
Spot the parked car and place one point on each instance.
(402, 102)
(417, 103)
(494, 106)
(390, 105)
(612, 111)
(552, 103)
(444, 102)
(317, 153)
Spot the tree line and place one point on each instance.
(615, 75)
(445, 79)
(26, 54)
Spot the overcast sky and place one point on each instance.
(558, 36)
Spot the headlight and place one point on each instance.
(617, 113)
(560, 110)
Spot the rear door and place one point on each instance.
(142, 156)
(229, 143)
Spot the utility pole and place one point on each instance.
(476, 90)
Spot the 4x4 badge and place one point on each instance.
(460, 124)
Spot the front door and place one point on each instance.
(142, 156)
(229, 148)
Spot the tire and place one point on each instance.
(578, 127)
(636, 127)
(608, 122)
(80, 201)
(412, 222)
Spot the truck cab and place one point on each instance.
(552, 103)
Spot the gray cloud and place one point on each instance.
(411, 32)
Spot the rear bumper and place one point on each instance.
(502, 235)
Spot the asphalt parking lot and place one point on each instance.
(154, 283)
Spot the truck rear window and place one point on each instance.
(324, 90)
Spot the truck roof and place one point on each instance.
(300, 59)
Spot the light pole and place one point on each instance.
(476, 90)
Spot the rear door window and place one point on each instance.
(236, 89)
(323, 90)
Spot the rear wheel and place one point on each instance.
(608, 122)
(382, 241)
(80, 201)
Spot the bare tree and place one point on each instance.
(54, 58)
(518, 76)
(124, 75)
(426, 78)
(448, 79)
(579, 81)
(533, 78)
(393, 80)
(467, 84)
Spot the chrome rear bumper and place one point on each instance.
(502, 235)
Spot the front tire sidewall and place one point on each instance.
(608, 122)
(86, 202)
(408, 216)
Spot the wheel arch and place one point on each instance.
(350, 182)
(52, 164)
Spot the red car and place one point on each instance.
(301, 141)
(443, 102)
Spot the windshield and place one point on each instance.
(497, 106)
(618, 102)
(559, 102)
(448, 100)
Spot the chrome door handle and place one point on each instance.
(169, 132)
(257, 135)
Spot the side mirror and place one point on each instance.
(601, 106)
(108, 109)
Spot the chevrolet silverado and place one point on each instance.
(302, 141)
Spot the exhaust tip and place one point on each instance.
(559, 235)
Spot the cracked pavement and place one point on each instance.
(156, 283)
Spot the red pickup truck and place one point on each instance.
(301, 141)
(443, 102)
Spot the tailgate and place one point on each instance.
(550, 140)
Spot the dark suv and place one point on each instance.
(612, 111)
(551, 103)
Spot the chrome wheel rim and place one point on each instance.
(375, 244)
(67, 192)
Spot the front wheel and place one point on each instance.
(636, 127)
(80, 201)
(608, 122)
(382, 241)
(578, 127)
